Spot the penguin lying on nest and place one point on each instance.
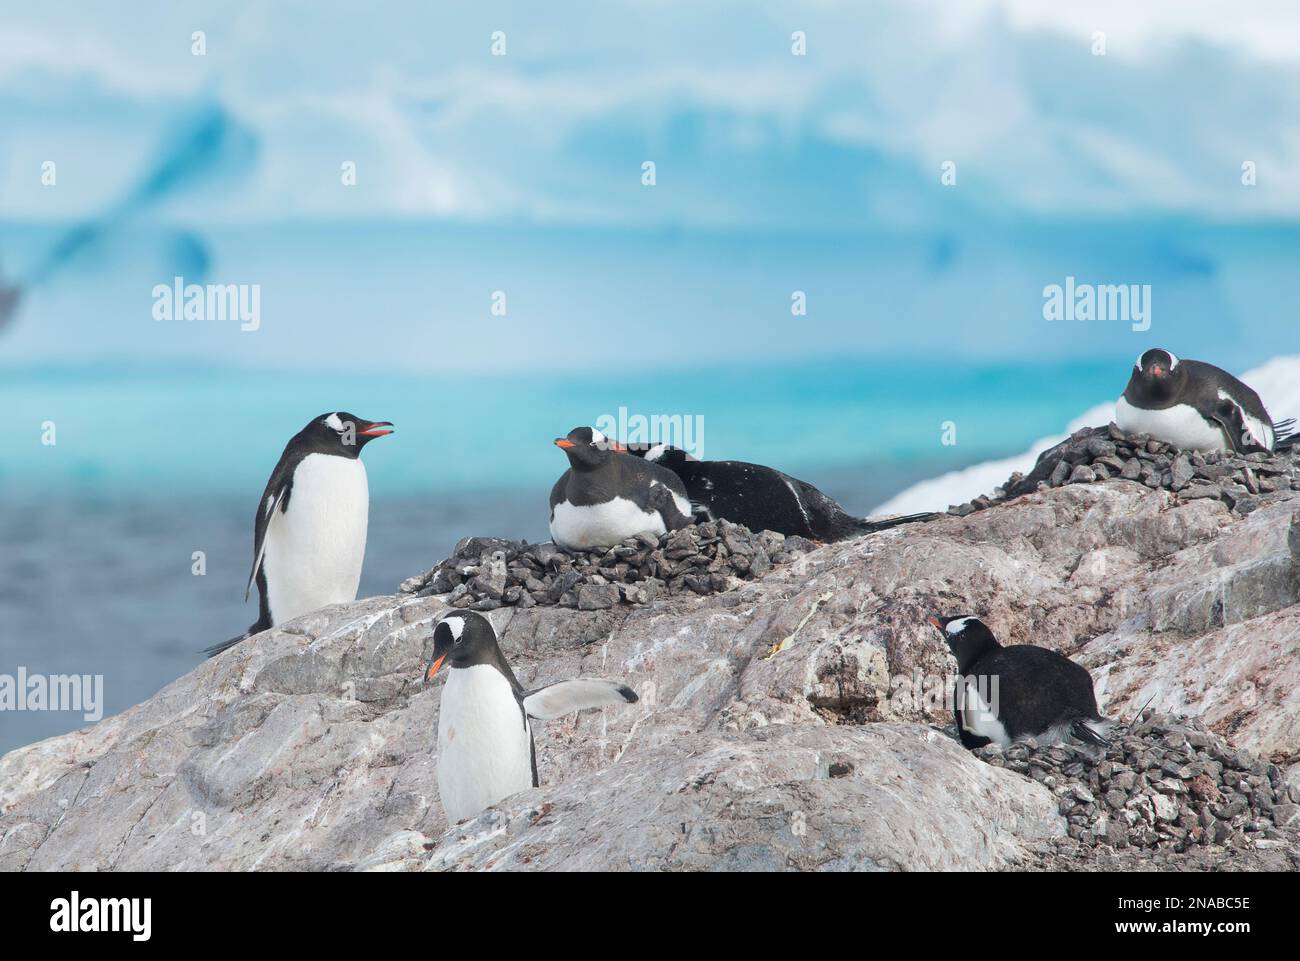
(1196, 406)
(1007, 693)
(762, 498)
(605, 497)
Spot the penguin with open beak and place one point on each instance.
(309, 532)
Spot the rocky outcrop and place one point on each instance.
(877, 797)
(787, 722)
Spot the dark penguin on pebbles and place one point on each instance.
(605, 497)
(1007, 693)
(1196, 406)
(762, 498)
(485, 737)
(309, 532)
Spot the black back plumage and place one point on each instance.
(1037, 689)
(763, 498)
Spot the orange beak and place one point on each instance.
(935, 621)
(563, 443)
(433, 669)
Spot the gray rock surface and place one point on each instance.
(878, 797)
(779, 725)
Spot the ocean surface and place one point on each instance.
(153, 463)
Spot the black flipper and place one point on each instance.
(274, 498)
(661, 499)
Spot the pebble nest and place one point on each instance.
(486, 573)
(1094, 454)
(1166, 784)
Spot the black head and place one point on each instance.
(341, 433)
(464, 638)
(587, 448)
(1157, 371)
(968, 637)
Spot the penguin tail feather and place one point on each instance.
(216, 649)
(1284, 435)
(867, 526)
(1090, 732)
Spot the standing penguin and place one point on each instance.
(1006, 693)
(605, 496)
(1196, 406)
(485, 739)
(763, 498)
(309, 533)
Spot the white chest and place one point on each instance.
(602, 525)
(484, 742)
(1179, 425)
(315, 549)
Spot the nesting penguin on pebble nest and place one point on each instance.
(606, 497)
(1197, 406)
(1007, 693)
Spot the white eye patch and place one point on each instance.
(655, 452)
(456, 625)
(1173, 361)
(333, 422)
(957, 626)
(597, 437)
